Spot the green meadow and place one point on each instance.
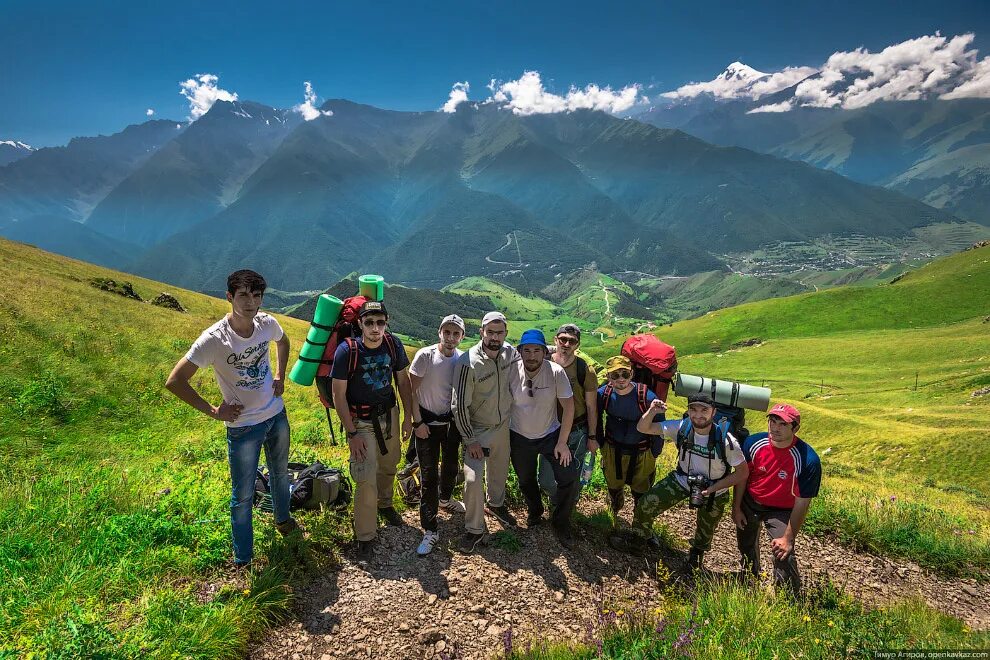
(114, 527)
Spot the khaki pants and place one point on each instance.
(491, 471)
(374, 477)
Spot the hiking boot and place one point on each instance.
(629, 543)
(365, 551)
(391, 516)
(565, 537)
(695, 559)
(469, 542)
(287, 527)
(430, 539)
(501, 514)
(452, 505)
(533, 519)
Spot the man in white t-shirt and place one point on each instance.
(432, 376)
(537, 386)
(237, 347)
(705, 450)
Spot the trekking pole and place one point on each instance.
(916, 381)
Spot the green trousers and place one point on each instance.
(666, 493)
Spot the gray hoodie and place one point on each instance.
(481, 401)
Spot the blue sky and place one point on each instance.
(69, 69)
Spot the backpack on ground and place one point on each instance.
(346, 329)
(654, 362)
(310, 487)
(409, 481)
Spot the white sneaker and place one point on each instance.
(430, 539)
(454, 506)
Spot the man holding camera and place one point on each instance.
(785, 473)
(709, 462)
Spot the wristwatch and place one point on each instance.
(416, 425)
(351, 434)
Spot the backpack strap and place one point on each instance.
(582, 372)
(352, 356)
(641, 391)
(684, 436)
(720, 443)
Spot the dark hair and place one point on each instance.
(249, 279)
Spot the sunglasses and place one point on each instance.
(371, 323)
(529, 387)
(621, 373)
(567, 341)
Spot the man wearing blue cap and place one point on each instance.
(538, 386)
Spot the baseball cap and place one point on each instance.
(533, 336)
(785, 412)
(701, 397)
(452, 318)
(569, 329)
(493, 316)
(372, 307)
(617, 362)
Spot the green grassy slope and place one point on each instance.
(113, 494)
(905, 467)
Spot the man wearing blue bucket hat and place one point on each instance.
(538, 386)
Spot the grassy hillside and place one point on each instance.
(905, 473)
(114, 518)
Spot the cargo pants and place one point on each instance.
(374, 477)
(665, 494)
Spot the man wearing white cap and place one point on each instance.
(481, 404)
(432, 375)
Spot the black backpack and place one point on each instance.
(310, 487)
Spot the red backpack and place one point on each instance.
(344, 330)
(654, 362)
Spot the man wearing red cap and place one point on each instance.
(784, 474)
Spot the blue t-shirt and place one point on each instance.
(371, 383)
(621, 416)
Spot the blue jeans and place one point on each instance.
(244, 445)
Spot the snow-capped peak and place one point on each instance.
(740, 81)
(17, 145)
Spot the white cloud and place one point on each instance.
(458, 95)
(977, 85)
(740, 81)
(528, 96)
(775, 82)
(202, 92)
(308, 108)
(911, 70)
(783, 106)
(149, 112)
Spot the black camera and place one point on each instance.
(696, 484)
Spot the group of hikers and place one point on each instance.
(543, 411)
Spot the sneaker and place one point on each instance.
(501, 514)
(365, 551)
(430, 539)
(287, 527)
(452, 505)
(469, 542)
(565, 537)
(391, 516)
(695, 559)
(534, 519)
(629, 543)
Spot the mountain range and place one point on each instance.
(428, 198)
(934, 150)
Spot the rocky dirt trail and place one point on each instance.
(404, 606)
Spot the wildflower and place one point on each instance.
(817, 641)
(893, 498)
(620, 613)
(247, 592)
(807, 618)
(831, 625)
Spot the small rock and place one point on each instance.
(432, 599)
(404, 627)
(970, 590)
(558, 596)
(326, 656)
(441, 645)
